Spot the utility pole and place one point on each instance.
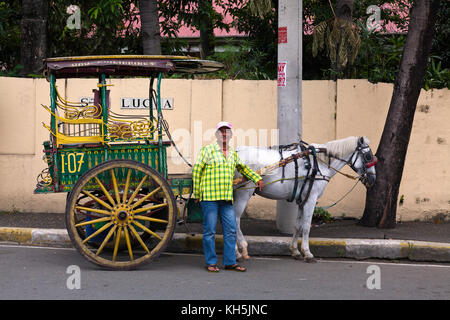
(290, 31)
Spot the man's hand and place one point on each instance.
(260, 184)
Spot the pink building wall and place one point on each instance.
(190, 32)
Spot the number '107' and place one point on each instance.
(73, 162)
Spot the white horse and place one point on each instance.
(352, 151)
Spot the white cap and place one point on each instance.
(223, 124)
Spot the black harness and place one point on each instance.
(312, 168)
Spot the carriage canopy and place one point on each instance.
(127, 65)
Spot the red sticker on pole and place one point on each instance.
(282, 35)
(282, 74)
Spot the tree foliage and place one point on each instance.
(341, 38)
(256, 57)
(110, 27)
(380, 51)
(198, 15)
(107, 27)
(10, 36)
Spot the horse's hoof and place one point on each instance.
(240, 258)
(246, 257)
(310, 260)
(297, 256)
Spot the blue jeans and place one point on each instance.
(225, 211)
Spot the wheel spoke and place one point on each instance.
(138, 237)
(127, 183)
(137, 190)
(105, 191)
(116, 245)
(127, 239)
(150, 219)
(147, 230)
(93, 210)
(92, 221)
(149, 208)
(106, 226)
(110, 233)
(116, 188)
(145, 198)
(103, 203)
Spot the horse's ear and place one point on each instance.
(361, 140)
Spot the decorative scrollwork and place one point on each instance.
(44, 179)
(119, 127)
(130, 130)
(76, 110)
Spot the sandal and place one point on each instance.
(212, 268)
(236, 267)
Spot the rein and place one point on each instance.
(344, 174)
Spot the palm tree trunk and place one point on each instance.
(344, 9)
(381, 200)
(206, 27)
(151, 39)
(33, 27)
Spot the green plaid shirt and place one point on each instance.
(212, 174)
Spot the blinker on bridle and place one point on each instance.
(368, 159)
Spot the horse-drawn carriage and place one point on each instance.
(121, 206)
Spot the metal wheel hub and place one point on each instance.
(122, 214)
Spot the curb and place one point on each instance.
(36, 237)
(358, 249)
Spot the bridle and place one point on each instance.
(368, 159)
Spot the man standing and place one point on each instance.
(212, 176)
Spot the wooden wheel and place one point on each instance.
(121, 214)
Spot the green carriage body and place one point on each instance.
(70, 154)
(121, 198)
(68, 164)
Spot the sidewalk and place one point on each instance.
(415, 241)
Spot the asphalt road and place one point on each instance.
(52, 273)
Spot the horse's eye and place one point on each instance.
(368, 157)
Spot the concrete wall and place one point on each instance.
(330, 111)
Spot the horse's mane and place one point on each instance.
(342, 147)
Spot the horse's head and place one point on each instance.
(363, 162)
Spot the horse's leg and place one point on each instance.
(240, 202)
(308, 211)
(241, 243)
(298, 228)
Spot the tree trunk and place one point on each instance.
(206, 27)
(344, 9)
(381, 200)
(151, 39)
(33, 28)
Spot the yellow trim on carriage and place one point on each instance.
(65, 139)
(60, 59)
(126, 130)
